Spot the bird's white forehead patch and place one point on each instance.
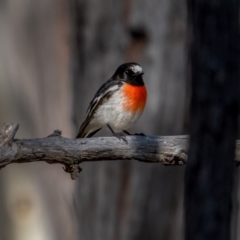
(136, 68)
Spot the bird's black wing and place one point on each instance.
(101, 96)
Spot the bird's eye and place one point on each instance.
(128, 72)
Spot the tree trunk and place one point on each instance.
(214, 114)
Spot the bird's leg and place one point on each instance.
(136, 134)
(119, 136)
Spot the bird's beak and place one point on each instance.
(140, 74)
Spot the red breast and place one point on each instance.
(136, 97)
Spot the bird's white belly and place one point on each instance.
(112, 113)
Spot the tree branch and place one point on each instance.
(167, 150)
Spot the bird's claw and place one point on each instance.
(136, 134)
(121, 137)
(140, 134)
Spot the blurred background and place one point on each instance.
(54, 55)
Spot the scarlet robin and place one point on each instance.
(118, 103)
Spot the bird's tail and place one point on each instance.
(87, 130)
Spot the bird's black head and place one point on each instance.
(130, 72)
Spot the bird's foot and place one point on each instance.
(140, 134)
(136, 134)
(120, 137)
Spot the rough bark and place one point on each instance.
(167, 150)
(214, 114)
(170, 150)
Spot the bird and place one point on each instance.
(117, 104)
